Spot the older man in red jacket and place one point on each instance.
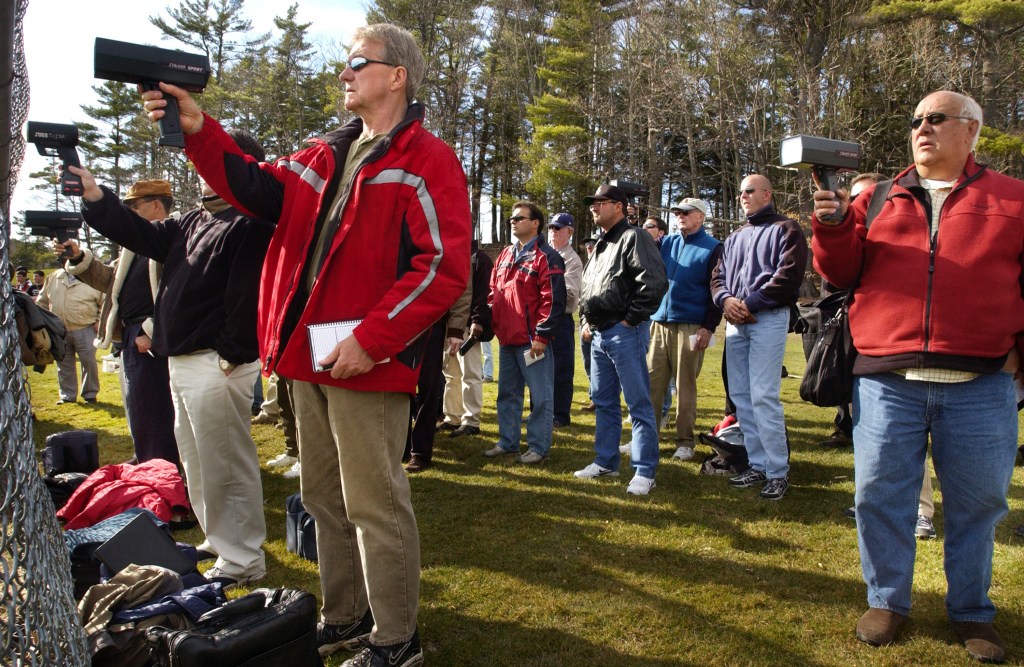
(933, 362)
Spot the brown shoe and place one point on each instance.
(981, 640)
(879, 627)
(417, 464)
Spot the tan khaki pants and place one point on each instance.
(350, 445)
(670, 356)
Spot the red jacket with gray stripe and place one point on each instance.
(397, 256)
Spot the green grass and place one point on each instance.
(531, 566)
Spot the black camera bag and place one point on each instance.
(300, 529)
(71, 451)
(266, 628)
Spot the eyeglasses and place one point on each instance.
(135, 204)
(749, 191)
(597, 204)
(357, 63)
(935, 118)
(519, 218)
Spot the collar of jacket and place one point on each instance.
(615, 231)
(910, 179)
(764, 215)
(696, 234)
(351, 130)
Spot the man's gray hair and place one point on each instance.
(398, 48)
(972, 109)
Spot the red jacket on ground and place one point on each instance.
(397, 258)
(154, 485)
(959, 305)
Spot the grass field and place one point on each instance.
(529, 566)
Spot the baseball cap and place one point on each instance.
(560, 220)
(689, 204)
(608, 193)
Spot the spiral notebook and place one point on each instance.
(323, 338)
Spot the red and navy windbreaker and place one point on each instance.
(527, 294)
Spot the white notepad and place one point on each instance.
(323, 338)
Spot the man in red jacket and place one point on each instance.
(527, 301)
(933, 361)
(371, 248)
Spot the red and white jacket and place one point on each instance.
(396, 258)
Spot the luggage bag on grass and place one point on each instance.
(267, 628)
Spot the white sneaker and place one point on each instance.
(292, 472)
(282, 461)
(593, 470)
(626, 449)
(683, 453)
(640, 486)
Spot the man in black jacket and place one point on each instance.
(205, 323)
(623, 284)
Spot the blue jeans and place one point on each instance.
(488, 362)
(513, 375)
(755, 375)
(973, 427)
(619, 362)
(585, 347)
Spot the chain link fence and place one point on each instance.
(38, 620)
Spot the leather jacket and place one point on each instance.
(624, 280)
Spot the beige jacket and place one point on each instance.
(74, 302)
(109, 280)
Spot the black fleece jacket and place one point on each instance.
(211, 276)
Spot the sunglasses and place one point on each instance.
(650, 226)
(749, 191)
(936, 118)
(357, 63)
(519, 218)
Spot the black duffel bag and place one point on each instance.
(266, 628)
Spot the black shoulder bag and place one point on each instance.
(828, 378)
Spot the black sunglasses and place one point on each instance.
(749, 191)
(359, 62)
(519, 218)
(935, 118)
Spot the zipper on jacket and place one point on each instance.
(377, 153)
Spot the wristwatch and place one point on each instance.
(225, 365)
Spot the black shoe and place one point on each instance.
(1019, 530)
(408, 654)
(445, 426)
(89, 400)
(850, 513)
(557, 424)
(465, 429)
(351, 637)
(837, 439)
(63, 401)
